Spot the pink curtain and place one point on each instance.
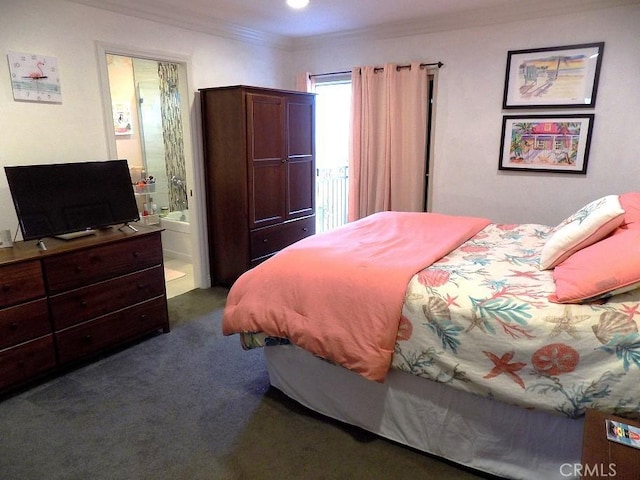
(388, 139)
(305, 82)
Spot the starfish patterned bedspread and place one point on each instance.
(479, 319)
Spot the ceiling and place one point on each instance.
(330, 17)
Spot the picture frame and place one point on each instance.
(555, 77)
(546, 143)
(122, 119)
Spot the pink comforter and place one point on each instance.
(339, 294)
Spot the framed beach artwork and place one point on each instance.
(556, 77)
(546, 143)
(34, 78)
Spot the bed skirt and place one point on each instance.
(476, 432)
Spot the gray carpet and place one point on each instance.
(190, 404)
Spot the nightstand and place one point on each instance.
(601, 457)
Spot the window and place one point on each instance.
(333, 116)
(333, 124)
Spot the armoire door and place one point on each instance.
(267, 160)
(300, 195)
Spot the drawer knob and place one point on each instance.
(142, 286)
(21, 363)
(83, 303)
(305, 229)
(6, 288)
(136, 254)
(13, 327)
(78, 268)
(265, 240)
(87, 338)
(143, 316)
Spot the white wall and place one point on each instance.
(469, 110)
(75, 129)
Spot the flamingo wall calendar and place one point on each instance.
(34, 77)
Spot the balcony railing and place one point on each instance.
(332, 194)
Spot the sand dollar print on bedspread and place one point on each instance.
(555, 359)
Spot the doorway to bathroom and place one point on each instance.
(148, 116)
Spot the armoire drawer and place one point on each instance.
(24, 322)
(82, 304)
(84, 267)
(104, 332)
(269, 240)
(25, 361)
(20, 282)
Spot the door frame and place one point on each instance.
(193, 150)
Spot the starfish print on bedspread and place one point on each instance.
(525, 274)
(502, 365)
(566, 323)
(475, 321)
(632, 311)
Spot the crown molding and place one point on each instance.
(182, 18)
(529, 9)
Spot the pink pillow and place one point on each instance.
(606, 268)
(630, 203)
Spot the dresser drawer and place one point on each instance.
(24, 322)
(269, 240)
(27, 360)
(82, 304)
(105, 332)
(20, 282)
(84, 267)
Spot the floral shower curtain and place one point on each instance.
(388, 139)
(172, 134)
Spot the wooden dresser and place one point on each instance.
(259, 147)
(77, 299)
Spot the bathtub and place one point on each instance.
(176, 236)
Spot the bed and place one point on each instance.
(478, 342)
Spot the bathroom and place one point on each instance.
(146, 103)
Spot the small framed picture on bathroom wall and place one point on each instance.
(122, 119)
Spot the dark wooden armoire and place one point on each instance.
(259, 159)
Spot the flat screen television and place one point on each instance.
(65, 198)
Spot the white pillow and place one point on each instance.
(591, 223)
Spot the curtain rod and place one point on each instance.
(377, 69)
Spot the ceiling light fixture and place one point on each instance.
(297, 3)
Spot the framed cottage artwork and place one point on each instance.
(546, 143)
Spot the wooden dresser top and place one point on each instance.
(29, 250)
